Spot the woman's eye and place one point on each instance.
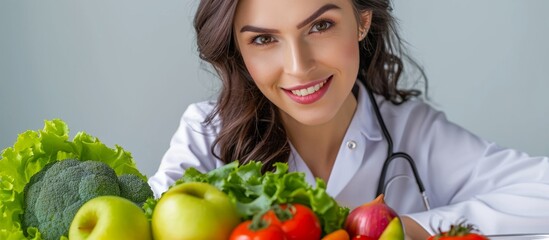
(262, 40)
(321, 26)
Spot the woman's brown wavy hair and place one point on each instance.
(250, 124)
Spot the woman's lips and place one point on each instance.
(309, 93)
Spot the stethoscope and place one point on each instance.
(391, 155)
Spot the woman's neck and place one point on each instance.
(318, 145)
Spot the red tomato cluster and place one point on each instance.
(287, 222)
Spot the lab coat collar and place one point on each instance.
(363, 128)
(365, 115)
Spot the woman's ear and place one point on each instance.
(364, 24)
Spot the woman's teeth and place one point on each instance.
(306, 91)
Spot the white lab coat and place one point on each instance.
(500, 190)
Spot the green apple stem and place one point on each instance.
(87, 226)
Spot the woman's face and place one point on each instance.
(303, 55)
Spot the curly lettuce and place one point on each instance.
(35, 149)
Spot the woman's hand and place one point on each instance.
(413, 230)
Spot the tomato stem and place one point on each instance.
(284, 214)
(460, 229)
(258, 222)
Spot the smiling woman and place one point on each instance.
(295, 78)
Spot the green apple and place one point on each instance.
(393, 231)
(110, 217)
(194, 210)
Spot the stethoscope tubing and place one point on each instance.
(391, 155)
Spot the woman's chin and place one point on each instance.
(311, 118)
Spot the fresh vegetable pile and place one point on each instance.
(60, 186)
(240, 203)
(254, 193)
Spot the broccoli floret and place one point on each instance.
(134, 188)
(33, 188)
(54, 195)
(94, 185)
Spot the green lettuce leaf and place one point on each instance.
(31, 152)
(253, 192)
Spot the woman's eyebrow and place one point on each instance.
(320, 11)
(249, 28)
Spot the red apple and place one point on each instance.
(370, 219)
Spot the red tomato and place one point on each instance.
(459, 231)
(244, 232)
(296, 220)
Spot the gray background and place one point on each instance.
(124, 71)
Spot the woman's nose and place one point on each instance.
(299, 60)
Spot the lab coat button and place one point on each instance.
(351, 144)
